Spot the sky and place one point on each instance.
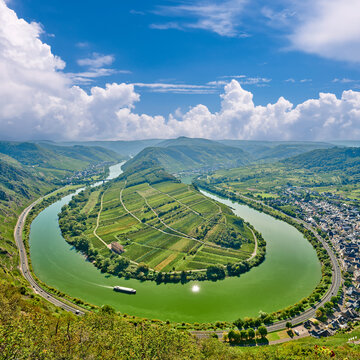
(136, 69)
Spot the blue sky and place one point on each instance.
(255, 69)
(155, 43)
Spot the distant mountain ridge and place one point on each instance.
(187, 154)
(344, 160)
(57, 157)
(122, 147)
(276, 150)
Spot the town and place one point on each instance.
(337, 220)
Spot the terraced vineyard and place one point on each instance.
(167, 226)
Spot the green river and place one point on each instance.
(290, 272)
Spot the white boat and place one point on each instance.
(124, 290)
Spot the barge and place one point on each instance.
(124, 290)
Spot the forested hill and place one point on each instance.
(268, 151)
(141, 170)
(344, 160)
(192, 154)
(57, 157)
(123, 147)
(14, 181)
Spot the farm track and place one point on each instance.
(184, 236)
(98, 221)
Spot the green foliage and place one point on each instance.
(346, 161)
(190, 154)
(57, 157)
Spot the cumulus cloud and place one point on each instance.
(39, 101)
(239, 118)
(329, 28)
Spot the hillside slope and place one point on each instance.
(56, 157)
(184, 154)
(345, 161)
(275, 150)
(123, 147)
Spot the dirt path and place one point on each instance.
(98, 221)
(256, 245)
(170, 196)
(162, 221)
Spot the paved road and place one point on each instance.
(24, 265)
(336, 278)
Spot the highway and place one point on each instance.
(24, 265)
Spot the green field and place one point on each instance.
(168, 226)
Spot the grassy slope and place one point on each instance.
(28, 331)
(28, 171)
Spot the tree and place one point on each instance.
(251, 333)
(288, 325)
(318, 314)
(239, 323)
(243, 334)
(234, 337)
(262, 331)
(107, 309)
(215, 272)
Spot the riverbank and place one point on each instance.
(289, 273)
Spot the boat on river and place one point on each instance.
(124, 290)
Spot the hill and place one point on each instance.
(123, 147)
(275, 150)
(162, 223)
(56, 157)
(188, 154)
(342, 160)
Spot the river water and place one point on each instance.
(290, 272)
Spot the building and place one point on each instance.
(116, 247)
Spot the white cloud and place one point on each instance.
(329, 28)
(220, 17)
(316, 119)
(233, 76)
(95, 68)
(177, 88)
(39, 101)
(344, 80)
(167, 26)
(96, 61)
(242, 79)
(82, 44)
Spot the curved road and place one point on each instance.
(336, 278)
(24, 265)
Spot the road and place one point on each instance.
(24, 265)
(336, 278)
